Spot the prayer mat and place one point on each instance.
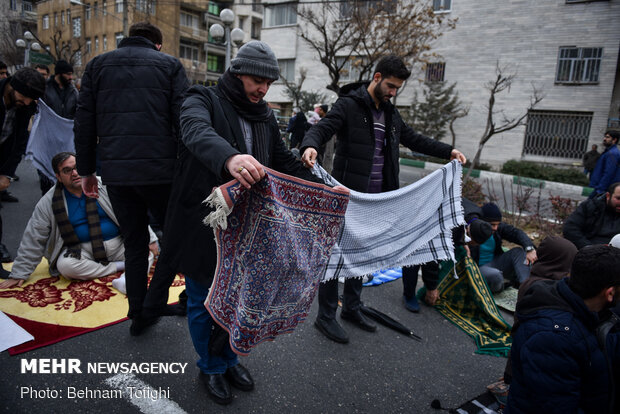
(507, 299)
(467, 302)
(273, 243)
(53, 309)
(405, 227)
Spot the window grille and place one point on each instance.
(557, 134)
(435, 71)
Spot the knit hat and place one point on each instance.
(490, 212)
(62, 66)
(256, 58)
(28, 82)
(480, 231)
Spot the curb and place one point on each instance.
(561, 188)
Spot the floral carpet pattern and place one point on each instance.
(54, 308)
(272, 252)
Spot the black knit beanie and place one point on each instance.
(256, 58)
(490, 212)
(62, 66)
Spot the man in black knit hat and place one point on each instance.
(228, 132)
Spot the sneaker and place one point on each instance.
(119, 284)
(412, 304)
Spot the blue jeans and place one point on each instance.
(510, 265)
(200, 323)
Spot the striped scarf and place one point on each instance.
(68, 233)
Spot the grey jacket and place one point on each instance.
(42, 236)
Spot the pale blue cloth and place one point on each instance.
(50, 135)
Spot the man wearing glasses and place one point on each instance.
(79, 236)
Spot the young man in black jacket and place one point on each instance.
(128, 115)
(369, 130)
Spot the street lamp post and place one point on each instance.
(235, 36)
(28, 44)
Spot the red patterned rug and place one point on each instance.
(272, 251)
(54, 309)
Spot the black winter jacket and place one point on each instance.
(130, 101)
(351, 119)
(211, 134)
(12, 149)
(64, 103)
(593, 222)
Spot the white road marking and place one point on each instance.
(146, 398)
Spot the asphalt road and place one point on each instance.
(381, 372)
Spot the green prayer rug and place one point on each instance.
(467, 302)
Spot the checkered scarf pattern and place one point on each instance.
(405, 227)
(68, 233)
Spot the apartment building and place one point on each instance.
(568, 49)
(78, 30)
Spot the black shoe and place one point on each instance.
(239, 377)
(140, 323)
(357, 318)
(4, 274)
(332, 330)
(217, 388)
(8, 197)
(174, 310)
(5, 256)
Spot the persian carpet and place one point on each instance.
(53, 309)
(408, 226)
(273, 242)
(467, 302)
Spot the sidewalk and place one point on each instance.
(566, 190)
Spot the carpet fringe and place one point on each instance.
(217, 218)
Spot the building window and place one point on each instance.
(105, 42)
(370, 6)
(68, 16)
(190, 20)
(582, 1)
(281, 14)
(350, 71)
(557, 134)
(141, 6)
(62, 18)
(241, 23)
(77, 27)
(215, 63)
(88, 47)
(104, 6)
(13, 5)
(95, 9)
(46, 21)
(151, 7)
(579, 64)
(96, 44)
(188, 50)
(118, 6)
(87, 12)
(214, 8)
(257, 7)
(256, 29)
(78, 58)
(440, 6)
(287, 69)
(55, 19)
(118, 37)
(27, 6)
(435, 72)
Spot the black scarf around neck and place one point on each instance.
(232, 88)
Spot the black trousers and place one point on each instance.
(430, 275)
(328, 297)
(131, 205)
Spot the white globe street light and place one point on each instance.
(218, 32)
(29, 45)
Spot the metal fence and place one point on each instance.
(557, 134)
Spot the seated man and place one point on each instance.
(79, 236)
(494, 263)
(596, 220)
(563, 358)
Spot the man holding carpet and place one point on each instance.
(369, 130)
(228, 132)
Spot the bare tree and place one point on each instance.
(503, 81)
(66, 50)
(301, 99)
(358, 33)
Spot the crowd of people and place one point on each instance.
(149, 148)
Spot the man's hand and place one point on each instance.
(5, 182)
(246, 169)
(90, 186)
(9, 283)
(154, 248)
(458, 155)
(431, 297)
(309, 157)
(531, 257)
